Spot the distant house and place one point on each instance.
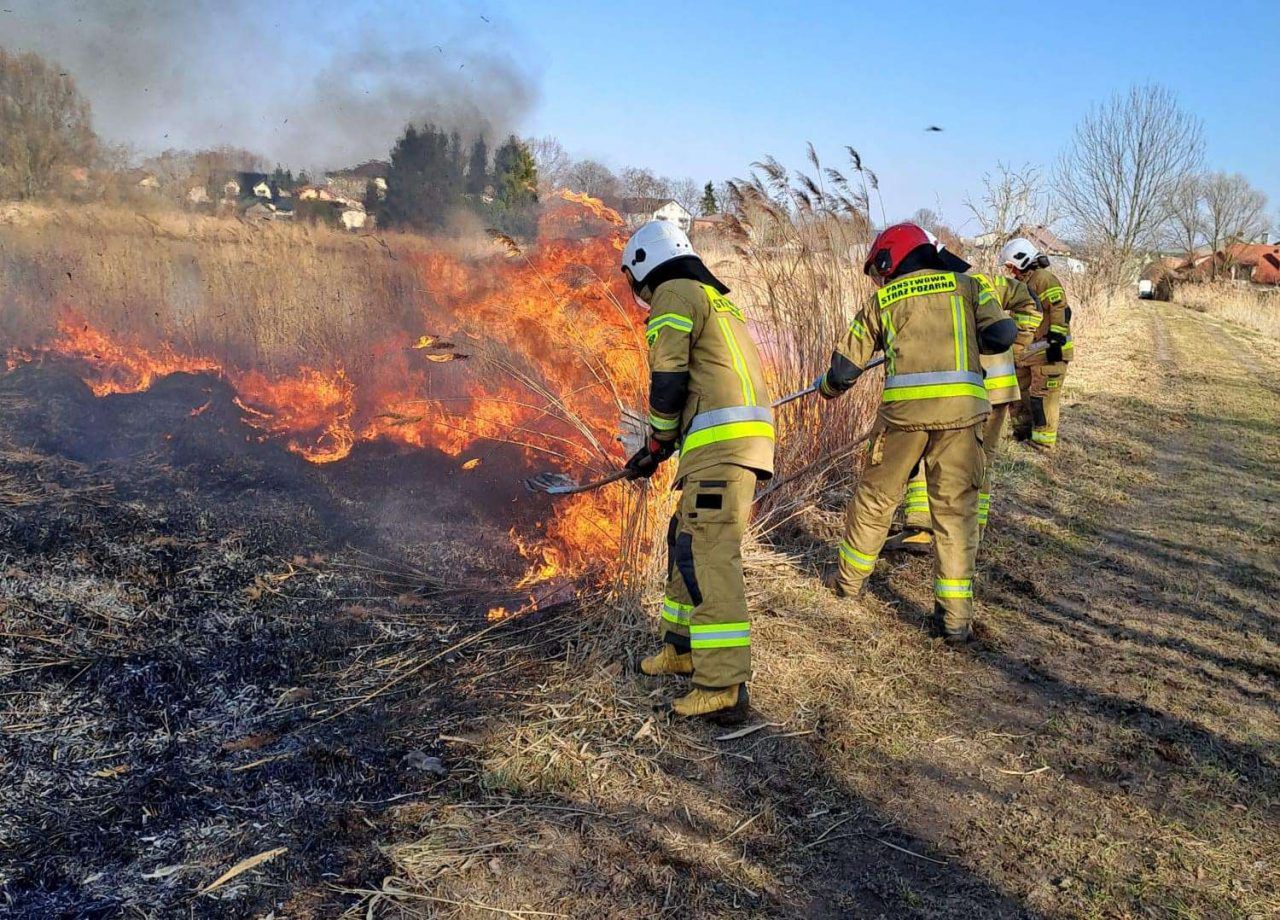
(1044, 239)
(636, 211)
(352, 183)
(708, 223)
(354, 218)
(1246, 262)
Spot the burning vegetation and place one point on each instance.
(535, 348)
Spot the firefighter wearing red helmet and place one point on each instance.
(932, 322)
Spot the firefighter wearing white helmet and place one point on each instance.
(1042, 366)
(708, 399)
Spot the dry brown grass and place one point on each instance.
(272, 296)
(1252, 307)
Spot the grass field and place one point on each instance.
(201, 665)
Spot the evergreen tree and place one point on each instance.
(478, 168)
(515, 175)
(425, 182)
(709, 203)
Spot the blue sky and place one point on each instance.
(704, 88)
(696, 89)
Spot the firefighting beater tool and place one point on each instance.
(813, 387)
(560, 484)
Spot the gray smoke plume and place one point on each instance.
(306, 84)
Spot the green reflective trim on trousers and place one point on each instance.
(860, 561)
(676, 612)
(1044, 437)
(728, 432)
(720, 635)
(953, 587)
(935, 391)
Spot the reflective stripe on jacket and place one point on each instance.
(698, 335)
(927, 323)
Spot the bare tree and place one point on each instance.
(638, 182)
(553, 163)
(593, 178)
(1115, 179)
(44, 125)
(687, 193)
(1234, 211)
(1186, 221)
(1011, 199)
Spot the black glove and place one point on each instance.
(1054, 352)
(645, 462)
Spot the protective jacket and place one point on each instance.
(707, 387)
(1047, 289)
(1001, 377)
(928, 324)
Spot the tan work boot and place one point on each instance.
(910, 541)
(725, 706)
(667, 661)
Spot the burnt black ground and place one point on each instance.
(185, 610)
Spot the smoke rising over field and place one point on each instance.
(275, 76)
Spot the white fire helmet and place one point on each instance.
(1019, 253)
(652, 244)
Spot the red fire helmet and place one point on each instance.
(891, 247)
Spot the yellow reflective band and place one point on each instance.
(1063, 329)
(720, 635)
(1053, 294)
(1027, 320)
(676, 612)
(915, 287)
(999, 383)
(960, 331)
(935, 391)
(1044, 437)
(953, 587)
(890, 335)
(739, 363)
(728, 432)
(663, 424)
(859, 561)
(667, 321)
(858, 330)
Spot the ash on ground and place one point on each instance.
(189, 615)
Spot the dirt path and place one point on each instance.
(1135, 618)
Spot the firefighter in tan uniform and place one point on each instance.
(1042, 365)
(932, 324)
(1001, 381)
(708, 399)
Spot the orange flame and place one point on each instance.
(557, 350)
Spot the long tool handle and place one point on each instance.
(813, 388)
(588, 486)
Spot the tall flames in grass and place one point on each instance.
(332, 341)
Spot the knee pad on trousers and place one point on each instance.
(684, 562)
(1037, 412)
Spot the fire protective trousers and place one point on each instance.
(1046, 399)
(954, 465)
(705, 607)
(916, 507)
(1041, 401)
